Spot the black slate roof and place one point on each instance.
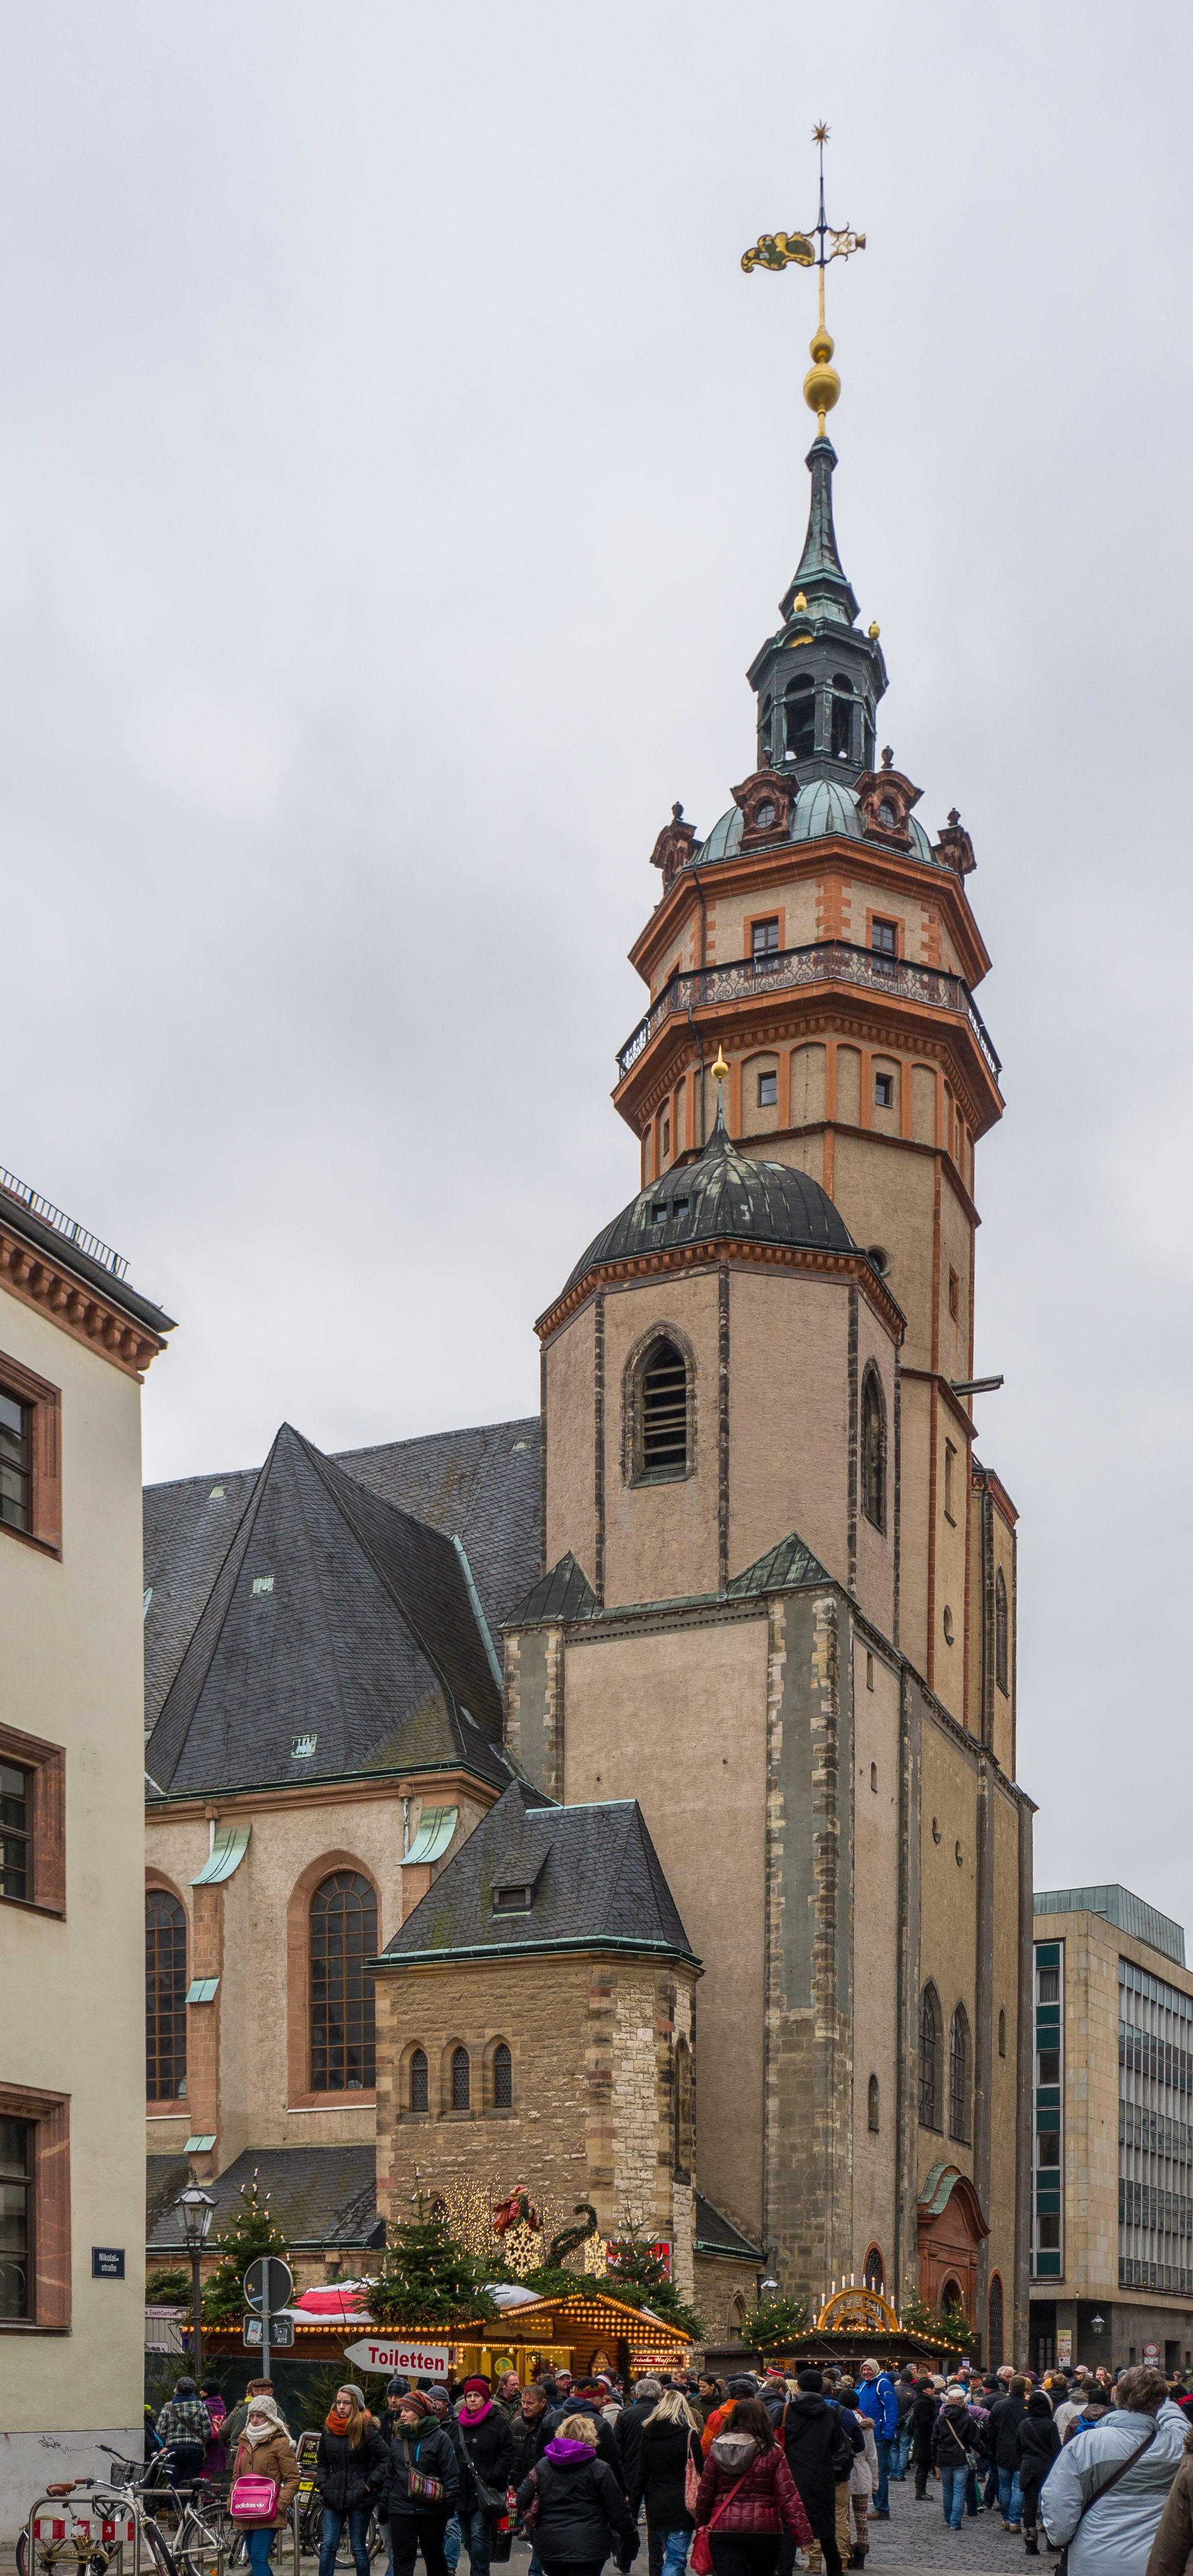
(336, 1615)
(596, 1876)
(481, 1484)
(721, 1196)
(716, 2234)
(317, 2195)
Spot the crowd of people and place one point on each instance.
(748, 2476)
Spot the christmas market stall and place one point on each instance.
(854, 2324)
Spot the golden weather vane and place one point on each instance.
(822, 384)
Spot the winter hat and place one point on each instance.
(397, 2386)
(869, 2370)
(742, 2384)
(953, 2391)
(185, 2388)
(482, 2384)
(266, 2406)
(811, 2382)
(436, 2389)
(414, 2401)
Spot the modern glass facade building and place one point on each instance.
(1112, 2131)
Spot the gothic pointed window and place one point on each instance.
(503, 2078)
(343, 1936)
(683, 2112)
(165, 1997)
(800, 704)
(994, 2353)
(664, 1412)
(873, 1450)
(959, 2068)
(842, 733)
(929, 2059)
(419, 2097)
(872, 2102)
(874, 2274)
(461, 2080)
(1001, 1662)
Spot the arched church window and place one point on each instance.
(461, 2080)
(800, 710)
(503, 2078)
(959, 2062)
(873, 1450)
(872, 2102)
(343, 1936)
(664, 1412)
(929, 2059)
(165, 1997)
(842, 732)
(419, 2095)
(994, 2353)
(874, 2274)
(1001, 1663)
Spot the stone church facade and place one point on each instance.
(745, 1577)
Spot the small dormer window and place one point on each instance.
(516, 1898)
(887, 815)
(764, 816)
(659, 1212)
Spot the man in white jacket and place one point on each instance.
(1106, 2492)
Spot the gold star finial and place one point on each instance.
(822, 384)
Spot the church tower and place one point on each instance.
(778, 1599)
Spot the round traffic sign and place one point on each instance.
(268, 2283)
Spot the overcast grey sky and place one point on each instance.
(397, 474)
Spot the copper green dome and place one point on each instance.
(723, 1196)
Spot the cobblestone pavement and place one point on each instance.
(917, 2536)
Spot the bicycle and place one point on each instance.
(59, 2533)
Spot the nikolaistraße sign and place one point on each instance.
(388, 2352)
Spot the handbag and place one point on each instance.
(1107, 2483)
(490, 2499)
(420, 2482)
(691, 2482)
(701, 2560)
(253, 2499)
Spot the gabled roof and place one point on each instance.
(595, 1874)
(333, 1616)
(317, 2195)
(783, 1569)
(481, 1485)
(564, 1593)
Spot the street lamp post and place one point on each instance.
(197, 2208)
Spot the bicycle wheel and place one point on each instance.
(154, 2542)
(23, 2554)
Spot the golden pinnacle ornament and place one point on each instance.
(822, 384)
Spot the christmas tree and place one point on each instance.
(429, 2279)
(636, 2274)
(252, 2232)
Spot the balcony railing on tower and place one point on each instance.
(822, 961)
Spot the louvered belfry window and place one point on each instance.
(665, 1412)
(343, 1936)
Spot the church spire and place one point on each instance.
(820, 574)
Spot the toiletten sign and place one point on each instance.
(388, 2352)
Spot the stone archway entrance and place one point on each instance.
(949, 2232)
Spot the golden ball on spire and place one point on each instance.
(720, 1069)
(822, 384)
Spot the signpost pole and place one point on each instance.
(265, 2328)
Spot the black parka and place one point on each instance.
(663, 2452)
(819, 2451)
(607, 2449)
(582, 2513)
(1039, 2444)
(347, 2479)
(1006, 2416)
(923, 2417)
(488, 2452)
(530, 2437)
(428, 2447)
